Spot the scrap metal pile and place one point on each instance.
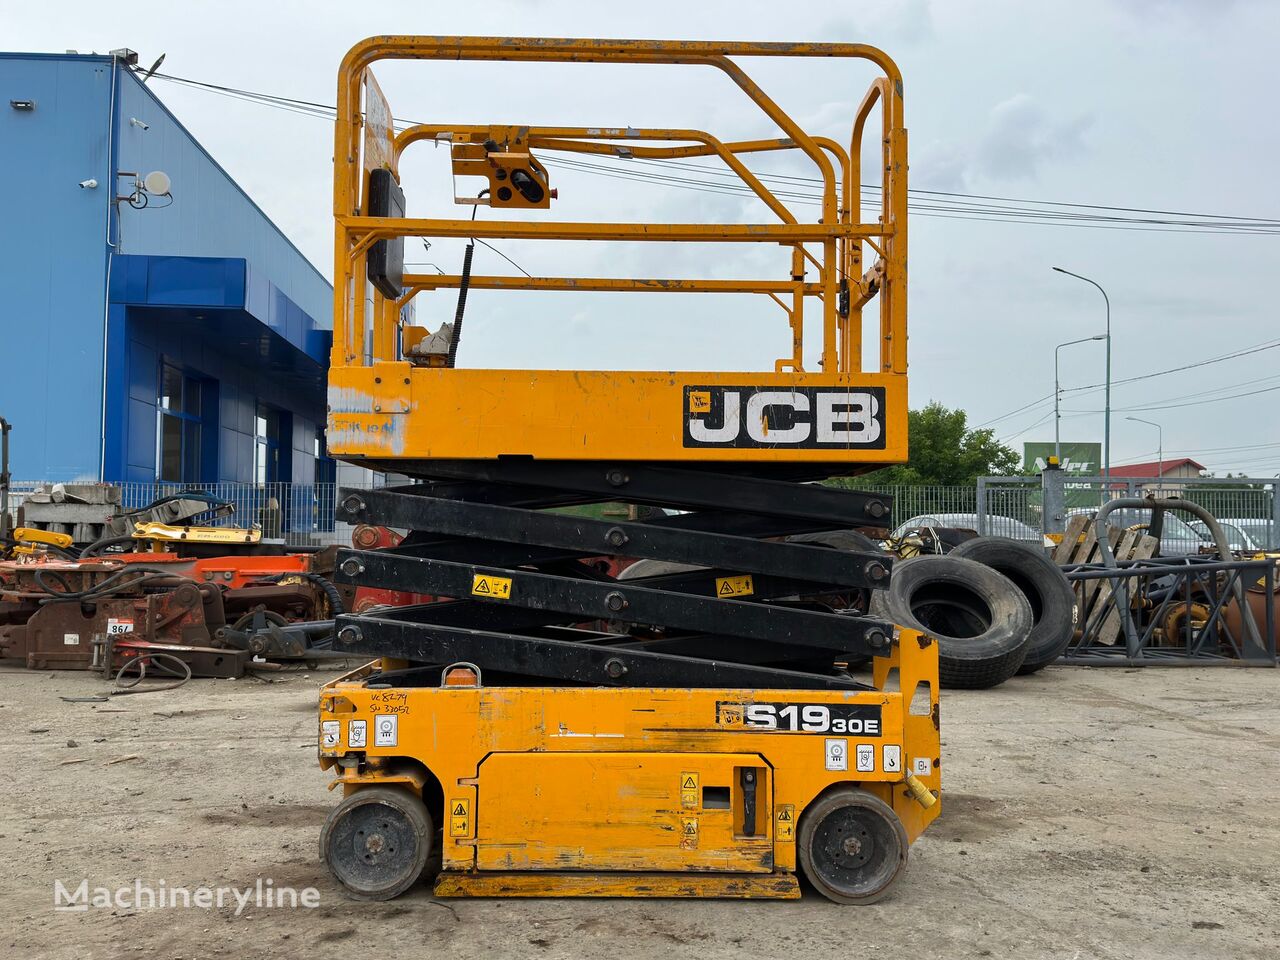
(213, 598)
(1001, 607)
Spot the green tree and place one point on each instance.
(944, 451)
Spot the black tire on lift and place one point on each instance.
(1053, 603)
(852, 846)
(377, 841)
(850, 541)
(981, 621)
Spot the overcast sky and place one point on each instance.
(1161, 104)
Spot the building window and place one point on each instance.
(266, 445)
(326, 468)
(180, 435)
(325, 490)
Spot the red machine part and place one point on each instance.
(232, 572)
(164, 599)
(64, 635)
(366, 537)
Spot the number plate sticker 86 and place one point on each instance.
(857, 718)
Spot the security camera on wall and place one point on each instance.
(89, 184)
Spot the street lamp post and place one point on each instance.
(1106, 422)
(1057, 394)
(1160, 448)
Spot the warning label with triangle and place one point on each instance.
(459, 818)
(491, 587)
(734, 586)
(689, 782)
(786, 828)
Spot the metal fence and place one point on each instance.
(1247, 508)
(299, 514)
(303, 514)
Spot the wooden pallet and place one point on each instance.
(1080, 545)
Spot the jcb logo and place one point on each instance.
(840, 418)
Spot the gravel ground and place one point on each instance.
(1087, 813)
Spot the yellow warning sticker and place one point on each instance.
(786, 828)
(688, 832)
(729, 714)
(699, 401)
(491, 587)
(734, 586)
(460, 817)
(688, 789)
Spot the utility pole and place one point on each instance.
(1057, 395)
(1106, 422)
(1160, 448)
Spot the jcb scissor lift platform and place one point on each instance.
(660, 705)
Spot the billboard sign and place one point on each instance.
(1082, 459)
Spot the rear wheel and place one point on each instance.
(852, 846)
(377, 841)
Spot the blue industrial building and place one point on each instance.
(148, 336)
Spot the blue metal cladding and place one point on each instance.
(53, 260)
(207, 283)
(210, 215)
(215, 320)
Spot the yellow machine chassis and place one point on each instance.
(600, 791)
(384, 408)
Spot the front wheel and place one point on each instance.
(377, 841)
(852, 846)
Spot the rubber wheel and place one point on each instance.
(377, 841)
(655, 568)
(852, 846)
(981, 621)
(848, 540)
(1053, 603)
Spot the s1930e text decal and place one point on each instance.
(862, 719)
(811, 418)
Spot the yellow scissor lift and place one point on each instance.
(558, 727)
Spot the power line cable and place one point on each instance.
(1191, 403)
(1095, 387)
(1242, 352)
(961, 206)
(978, 212)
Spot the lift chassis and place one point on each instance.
(593, 791)
(640, 676)
(564, 745)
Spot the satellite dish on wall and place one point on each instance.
(156, 182)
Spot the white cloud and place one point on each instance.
(1020, 137)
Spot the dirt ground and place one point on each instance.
(1087, 813)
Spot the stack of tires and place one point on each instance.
(996, 607)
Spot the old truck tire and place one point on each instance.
(981, 621)
(1053, 603)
